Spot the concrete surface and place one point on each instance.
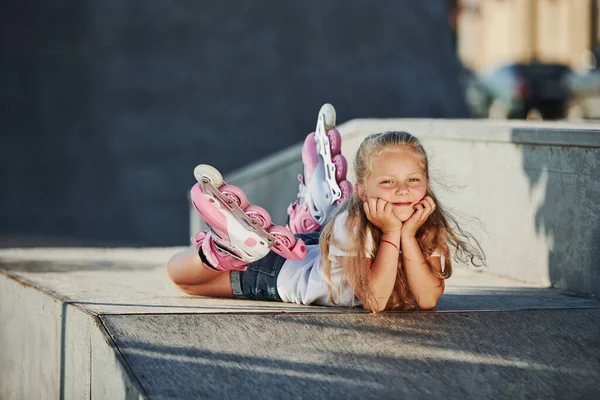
(528, 191)
(50, 349)
(106, 324)
(531, 354)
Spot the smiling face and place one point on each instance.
(398, 177)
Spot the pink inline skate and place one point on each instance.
(239, 233)
(323, 186)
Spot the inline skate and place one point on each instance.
(323, 186)
(240, 233)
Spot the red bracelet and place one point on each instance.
(393, 244)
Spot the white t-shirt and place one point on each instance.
(303, 281)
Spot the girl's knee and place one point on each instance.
(186, 271)
(194, 290)
(184, 267)
(215, 288)
(172, 267)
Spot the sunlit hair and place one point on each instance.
(439, 232)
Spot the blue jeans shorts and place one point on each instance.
(259, 281)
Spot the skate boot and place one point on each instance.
(239, 233)
(323, 186)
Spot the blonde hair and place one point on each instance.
(439, 232)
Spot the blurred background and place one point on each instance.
(529, 58)
(106, 107)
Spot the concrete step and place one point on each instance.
(524, 354)
(99, 323)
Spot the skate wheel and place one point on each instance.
(346, 188)
(335, 142)
(208, 172)
(260, 214)
(283, 235)
(236, 194)
(341, 167)
(328, 112)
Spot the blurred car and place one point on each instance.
(475, 93)
(514, 90)
(585, 95)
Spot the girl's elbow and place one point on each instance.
(426, 305)
(429, 303)
(378, 309)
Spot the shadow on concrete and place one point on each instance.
(477, 298)
(34, 266)
(467, 355)
(483, 298)
(238, 308)
(570, 176)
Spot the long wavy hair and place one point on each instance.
(440, 232)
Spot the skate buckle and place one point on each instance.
(324, 150)
(236, 211)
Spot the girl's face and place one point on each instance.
(397, 177)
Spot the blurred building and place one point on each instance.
(492, 32)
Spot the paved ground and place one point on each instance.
(526, 354)
(490, 336)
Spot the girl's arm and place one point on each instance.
(385, 265)
(425, 287)
(384, 269)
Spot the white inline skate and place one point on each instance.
(323, 186)
(240, 233)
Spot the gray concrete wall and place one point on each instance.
(530, 192)
(53, 350)
(107, 106)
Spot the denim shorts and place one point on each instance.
(259, 281)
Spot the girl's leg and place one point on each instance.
(239, 234)
(188, 273)
(235, 238)
(323, 187)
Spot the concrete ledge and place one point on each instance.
(529, 191)
(52, 349)
(529, 132)
(106, 324)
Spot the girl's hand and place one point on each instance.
(383, 215)
(423, 209)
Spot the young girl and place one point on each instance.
(385, 247)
